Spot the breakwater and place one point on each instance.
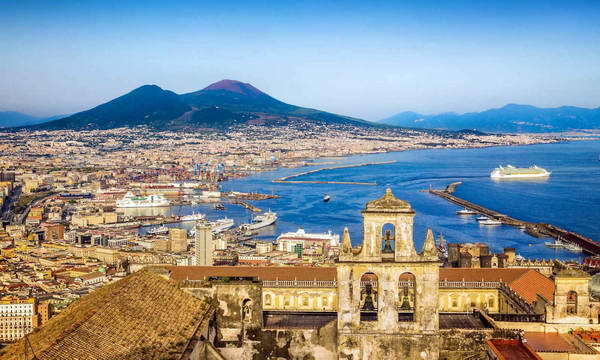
(285, 179)
(535, 229)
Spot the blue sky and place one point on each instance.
(368, 59)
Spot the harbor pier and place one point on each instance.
(535, 229)
(285, 179)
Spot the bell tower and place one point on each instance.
(387, 292)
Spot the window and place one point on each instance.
(305, 301)
(572, 302)
(324, 301)
(454, 301)
(268, 299)
(491, 302)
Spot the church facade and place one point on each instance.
(383, 299)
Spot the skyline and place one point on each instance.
(357, 60)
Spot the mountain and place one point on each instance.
(13, 118)
(511, 118)
(218, 106)
(147, 105)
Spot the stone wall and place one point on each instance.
(388, 347)
(458, 344)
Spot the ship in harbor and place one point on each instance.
(217, 226)
(192, 217)
(261, 221)
(158, 230)
(130, 200)
(221, 225)
(511, 172)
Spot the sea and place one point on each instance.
(569, 198)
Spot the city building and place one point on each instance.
(178, 240)
(18, 317)
(204, 244)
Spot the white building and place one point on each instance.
(18, 317)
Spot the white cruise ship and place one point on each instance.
(130, 200)
(261, 221)
(511, 172)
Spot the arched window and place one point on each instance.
(388, 236)
(491, 302)
(305, 300)
(572, 302)
(406, 297)
(368, 297)
(454, 301)
(246, 310)
(268, 299)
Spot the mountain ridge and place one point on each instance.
(510, 118)
(15, 118)
(218, 106)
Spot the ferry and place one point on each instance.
(158, 230)
(511, 172)
(261, 221)
(466, 212)
(221, 225)
(131, 200)
(192, 217)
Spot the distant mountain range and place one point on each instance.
(511, 118)
(13, 118)
(220, 105)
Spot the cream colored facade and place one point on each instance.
(299, 299)
(466, 300)
(572, 299)
(388, 293)
(17, 318)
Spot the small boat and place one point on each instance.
(219, 206)
(326, 198)
(466, 211)
(490, 222)
(482, 218)
(557, 244)
(573, 247)
(157, 230)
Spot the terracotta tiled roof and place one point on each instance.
(512, 350)
(562, 343)
(259, 272)
(525, 282)
(142, 316)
